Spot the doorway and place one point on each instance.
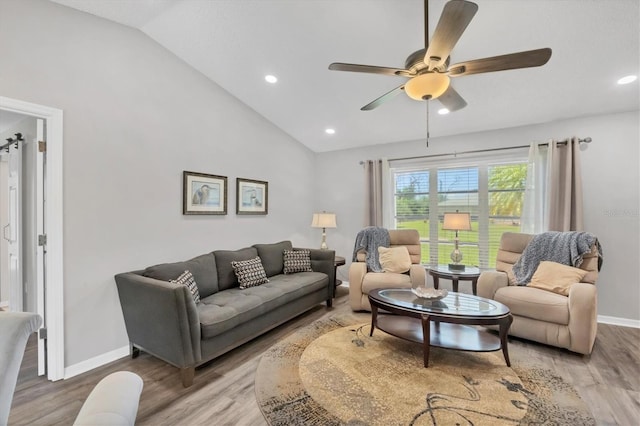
(39, 243)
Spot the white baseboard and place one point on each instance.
(100, 360)
(95, 362)
(624, 322)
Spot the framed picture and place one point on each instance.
(252, 196)
(203, 193)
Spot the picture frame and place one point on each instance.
(203, 193)
(252, 196)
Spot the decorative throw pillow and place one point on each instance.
(556, 277)
(297, 261)
(250, 273)
(395, 259)
(186, 279)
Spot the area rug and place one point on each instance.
(333, 373)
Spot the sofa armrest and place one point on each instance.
(583, 317)
(357, 271)
(323, 261)
(114, 401)
(418, 275)
(161, 318)
(490, 281)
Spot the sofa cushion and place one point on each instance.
(203, 269)
(226, 276)
(227, 309)
(556, 277)
(271, 255)
(297, 261)
(535, 303)
(395, 259)
(186, 279)
(250, 273)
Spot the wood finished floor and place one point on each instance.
(223, 392)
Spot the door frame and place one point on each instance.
(54, 292)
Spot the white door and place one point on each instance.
(41, 247)
(12, 231)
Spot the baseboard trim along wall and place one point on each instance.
(100, 360)
(95, 362)
(624, 322)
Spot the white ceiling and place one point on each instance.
(237, 42)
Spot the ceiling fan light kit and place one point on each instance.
(427, 86)
(428, 69)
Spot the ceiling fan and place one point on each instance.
(428, 69)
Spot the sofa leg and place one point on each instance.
(187, 374)
(135, 352)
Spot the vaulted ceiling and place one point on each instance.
(237, 42)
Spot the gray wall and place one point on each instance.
(135, 117)
(611, 192)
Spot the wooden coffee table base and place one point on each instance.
(444, 334)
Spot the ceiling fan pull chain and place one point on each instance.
(427, 102)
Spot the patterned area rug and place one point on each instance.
(333, 373)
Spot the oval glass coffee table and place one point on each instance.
(444, 323)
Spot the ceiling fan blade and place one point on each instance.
(456, 15)
(530, 58)
(370, 69)
(382, 99)
(452, 100)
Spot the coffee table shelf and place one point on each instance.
(443, 335)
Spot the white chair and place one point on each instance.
(114, 401)
(15, 329)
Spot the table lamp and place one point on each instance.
(324, 220)
(456, 222)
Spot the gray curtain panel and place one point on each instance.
(565, 187)
(373, 192)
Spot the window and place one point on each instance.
(491, 191)
(411, 195)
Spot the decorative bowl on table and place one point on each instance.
(430, 293)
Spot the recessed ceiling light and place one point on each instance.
(271, 79)
(443, 111)
(628, 79)
(330, 131)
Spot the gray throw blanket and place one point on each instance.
(369, 239)
(562, 247)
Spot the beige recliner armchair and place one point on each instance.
(361, 282)
(543, 316)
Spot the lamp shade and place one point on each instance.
(457, 222)
(324, 220)
(427, 86)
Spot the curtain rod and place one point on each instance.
(478, 151)
(11, 141)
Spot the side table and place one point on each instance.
(338, 261)
(471, 273)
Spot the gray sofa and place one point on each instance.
(162, 318)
